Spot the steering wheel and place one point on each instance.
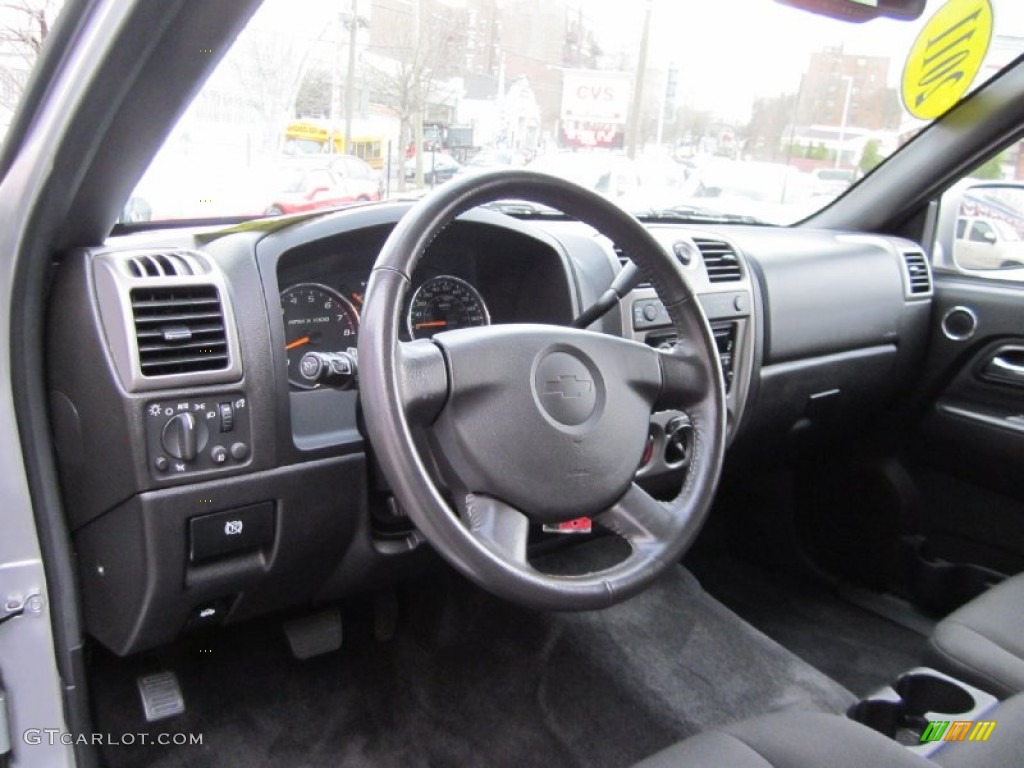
(537, 423)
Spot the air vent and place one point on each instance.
(919, 279)
(179, 329)
(720, 260)
(623, 260)
(165, 264)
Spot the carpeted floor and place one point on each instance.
(469, 680)
(858, 648)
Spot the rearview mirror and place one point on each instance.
(859, 11)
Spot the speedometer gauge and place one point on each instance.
(316, 319)
(444, 303)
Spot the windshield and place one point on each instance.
(749, 107)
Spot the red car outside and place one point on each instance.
(309, 184)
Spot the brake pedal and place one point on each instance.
(161, 696)
(313, 635)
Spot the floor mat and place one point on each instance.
(469, 681)
(856, 647)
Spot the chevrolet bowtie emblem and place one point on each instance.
(569, 387)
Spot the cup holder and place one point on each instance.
(886, 717)
(926, 693)
(902, 710)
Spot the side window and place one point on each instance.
(982, 232)
(354, 169)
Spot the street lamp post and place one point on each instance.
(842, 121)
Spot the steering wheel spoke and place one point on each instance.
(501, 526)
(422, 380)
(640, 519)
(685, 379)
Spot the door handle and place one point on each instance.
(1007, 366)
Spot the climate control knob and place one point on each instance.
(184, 436)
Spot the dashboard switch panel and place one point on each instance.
(182, 434)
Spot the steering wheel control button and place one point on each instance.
(231, 532)
(239, 451)
(218, 454)
(566, 389)
(650, 313)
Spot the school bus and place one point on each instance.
(307, 137)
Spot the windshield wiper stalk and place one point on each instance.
(629, 277)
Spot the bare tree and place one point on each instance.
(409, 64)
(24, 27)
(268, 67)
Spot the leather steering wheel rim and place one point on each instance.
(418, 384)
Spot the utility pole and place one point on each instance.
(350, 75)
(638, 85)
(417, 127)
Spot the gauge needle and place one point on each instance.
(358, 298)
(432, 324)
(297, 343)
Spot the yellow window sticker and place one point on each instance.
(946, 57)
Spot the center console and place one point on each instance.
(924, 710)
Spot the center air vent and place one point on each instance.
(720, 260)
(179, 329)
(164, 264)
(919, 279)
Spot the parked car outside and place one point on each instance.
(487, 159)
(437, 167)
(309, 184)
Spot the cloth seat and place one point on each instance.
(982, 642)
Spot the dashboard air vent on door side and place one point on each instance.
(179, 329)
(919, 278)
(720, 260)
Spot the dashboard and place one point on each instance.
(204, 393)
(470, 277)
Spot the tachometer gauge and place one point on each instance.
(316, 319)
(444, 303)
